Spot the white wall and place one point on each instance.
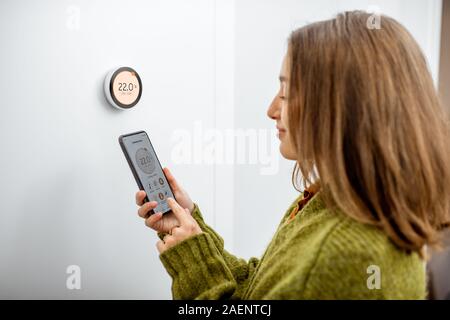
(67, 195)
(66, 191)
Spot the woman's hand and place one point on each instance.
(157, 221)
(180, 194)
(188, 227)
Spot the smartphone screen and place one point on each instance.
(146, 168)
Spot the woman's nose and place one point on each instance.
(274, 109)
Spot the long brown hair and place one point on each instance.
(366, 121)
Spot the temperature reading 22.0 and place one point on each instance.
(123, 86)
(126, 88)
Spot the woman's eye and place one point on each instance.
(282, 97)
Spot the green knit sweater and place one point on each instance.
(317, 255)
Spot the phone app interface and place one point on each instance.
(149, 170)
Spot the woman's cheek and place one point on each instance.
(287, 147)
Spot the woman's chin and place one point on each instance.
(286, 152)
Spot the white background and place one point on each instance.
(67, 195)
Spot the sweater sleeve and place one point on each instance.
(201, 268)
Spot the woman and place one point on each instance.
(358, 113)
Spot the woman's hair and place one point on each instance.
(365, 119)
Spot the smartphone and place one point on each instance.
(146, 169)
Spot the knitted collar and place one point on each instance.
(308, 193)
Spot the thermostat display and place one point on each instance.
(123, 87)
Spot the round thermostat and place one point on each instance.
(123, 87)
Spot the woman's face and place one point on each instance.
(278, 112)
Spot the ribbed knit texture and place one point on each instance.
(318, 255)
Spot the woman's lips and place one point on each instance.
(281, 132)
